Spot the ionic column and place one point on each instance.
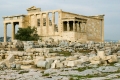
(78, 27)
(81, 27)
(68, 26)
(13, 31)
(5, 32)
(41, 23)
(84, 27)
(73, 25)
(47, 28)
(53, 22)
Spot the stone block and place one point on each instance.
(84, 58)
(95, 58)
(53, 65)
(10, 58)
(101, 54)
(113, 59)
(71, 64)
(38, 58)
(95, 62)
(42, 64)
(59, 65)
(28, 62)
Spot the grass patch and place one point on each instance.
(42, 71)
(64, 53)
(77, 77)
(85, 51)
(22, 72)
(82, 69)
(46, 74)
(71, 78)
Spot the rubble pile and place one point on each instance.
(61, 55)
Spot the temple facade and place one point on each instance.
(66, 26)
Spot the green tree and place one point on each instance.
(27, 34)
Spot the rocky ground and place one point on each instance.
(59, 61)
(80, 72)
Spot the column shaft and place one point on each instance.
(47, 28)
(53, 22)
(5, 32)
(68, 26)
(73, 25)
(41, 23)
(78, 27)
(13, 31)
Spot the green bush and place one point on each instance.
(27, 34)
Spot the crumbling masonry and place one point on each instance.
(69, 26)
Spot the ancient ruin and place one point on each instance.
(73, 48)
(66, 26)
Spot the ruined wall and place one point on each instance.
(93, 30)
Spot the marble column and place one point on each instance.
(13, 31)
(68, 26)
(78, 27)
(41, 24)
(53, 22)
(73, 25)
(5, 32)
(47, 24)
(82, 27)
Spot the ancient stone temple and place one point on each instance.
(59, 25)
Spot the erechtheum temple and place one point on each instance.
(69, 26)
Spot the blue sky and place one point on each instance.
(111, 9)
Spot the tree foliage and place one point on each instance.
(27, 34)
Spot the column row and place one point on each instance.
(5, 31)
(44, 21)
(74, 26)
